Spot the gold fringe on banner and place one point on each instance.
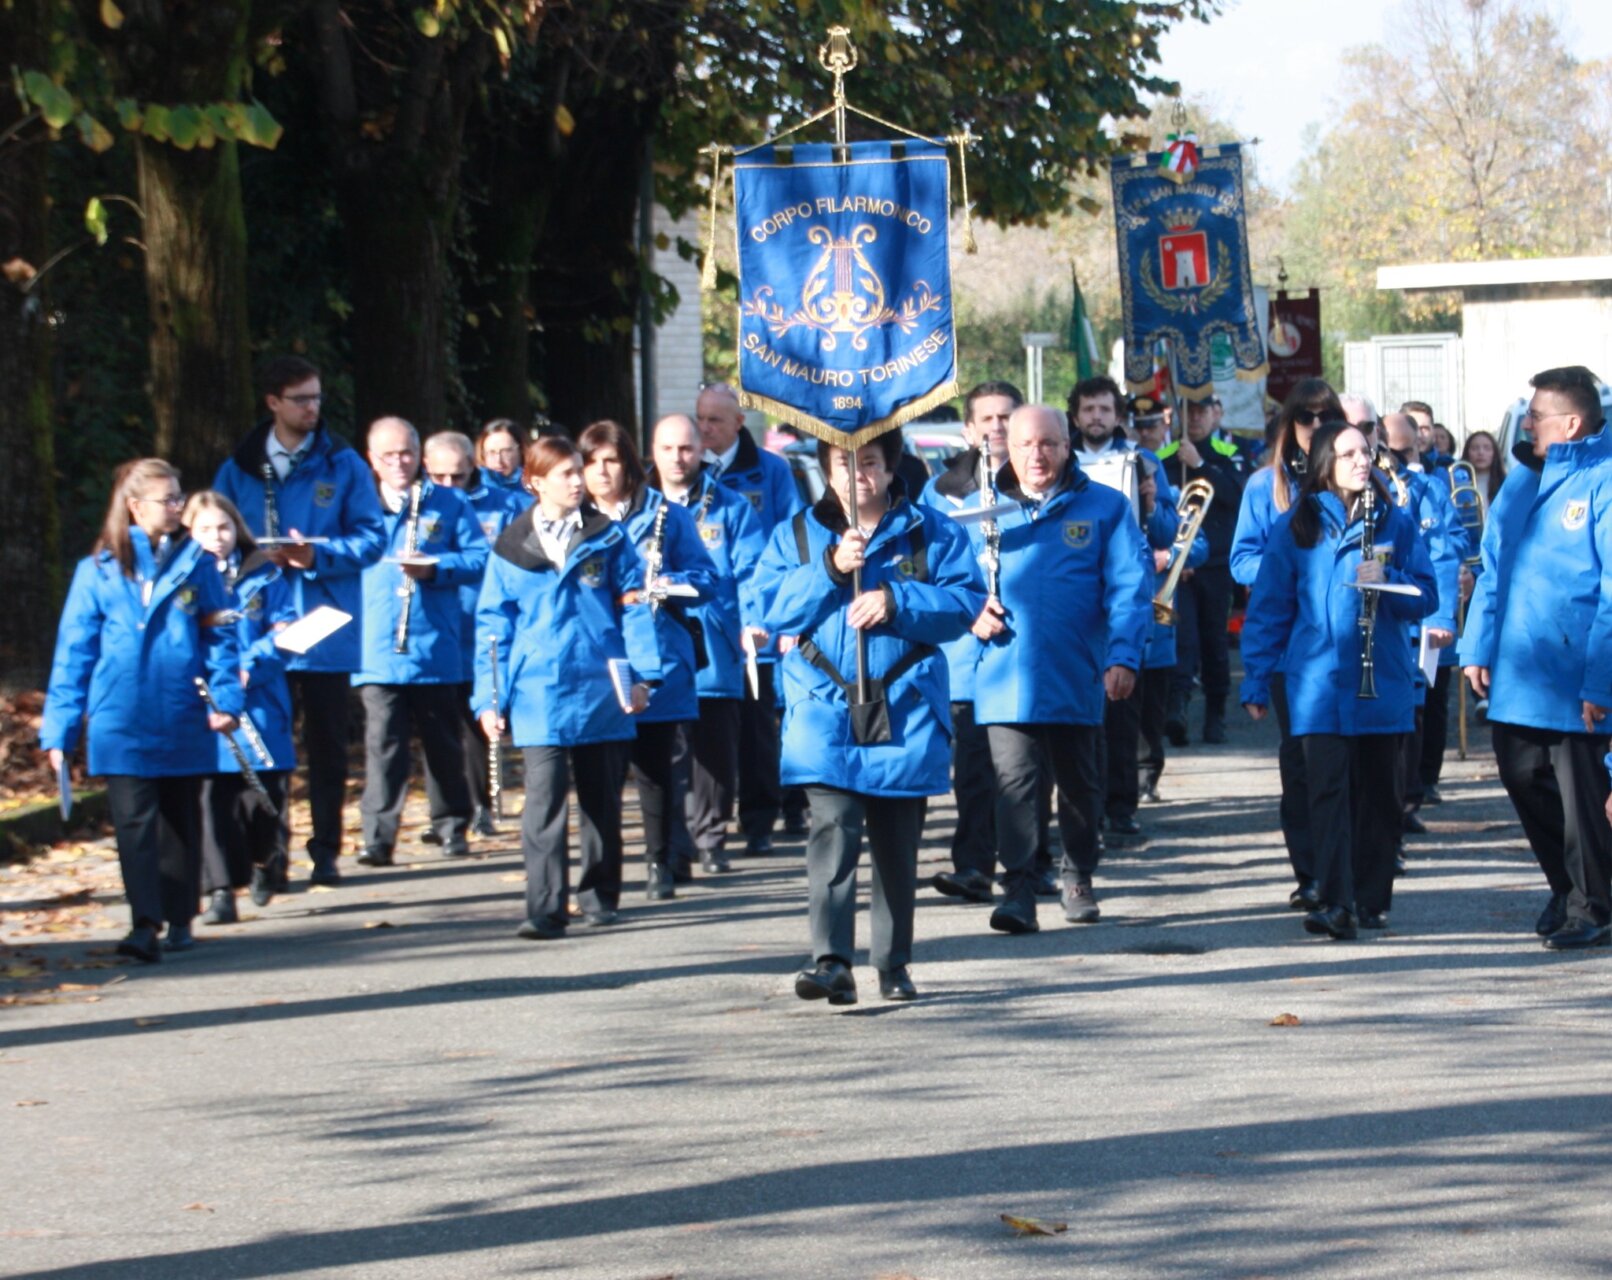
(708, 271)
(820, 430)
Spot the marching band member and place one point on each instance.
(1538, 645)
(498, 454)
(1269, 493)
(731, 534)
(1065, 636)
(289, 477)
(450, 464)
(1305, 619)
(137, 630)
(553, 601)
(765, 481)
(239, 840)
(668, 546)
(412, 662)
(869, 758)
(986, 410)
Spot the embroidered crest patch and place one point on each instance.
(1077, 533)
(1575, 515)
(324, 493)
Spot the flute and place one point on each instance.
(992, 558)
(271, 513)
(495, 756)
(411, 544)
(654, 559)
(248, 774)
(1368, 603)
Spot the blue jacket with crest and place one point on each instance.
(764, 480)
(496, 506)
(263, 598)
(683, 561)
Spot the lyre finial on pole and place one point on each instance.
(838, 56)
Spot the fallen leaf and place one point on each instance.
(320, 888)
(1286, 1020)
(378, 924)
(514, 877)
(31, 1102)
(1034, 1226)
(149, 1022)
(198, 1205)
(18, 971)
(78, 986)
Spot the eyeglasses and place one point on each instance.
(1533, 415)
(173, 501)
(303, 401)
(1307, 417)
(450, 479)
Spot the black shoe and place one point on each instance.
(713, 863)
(758, 846)
(797, 825)
(429, 836)
(1337, 922)
(1579, 934)
(1045, 884)
(460, 848)
(683, 873)
(1016, 915)
(179, 938)
(221, 908)
(1150, 793)
(1214, 729)
(330, 875)
(1307, 897)
(1430, 795)
(541, 930)
(658, 884)
(972, 886)
(482, 823)
(1411, 825)
(1125, 827)
(832, 980)
(140, 943)
(1080, 904)
(1553, 917)
(1401, 867)
(1374, 920)
(369, 858)
(1175, 729)
(896, 984)
(262, 885)
(601, 919)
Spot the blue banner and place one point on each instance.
(845, 298)
(1183, 269)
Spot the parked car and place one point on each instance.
(1513, 427)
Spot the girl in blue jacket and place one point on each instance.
(574, 667)
(1304, 620)
(240, 838)
(869, 756)
(498, 454)
(659, 531)
(140, 624)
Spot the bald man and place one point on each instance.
(765, 481)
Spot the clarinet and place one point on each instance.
(655, 559)
(248, 774)
(992, 558)
(1368, 601)
(271, 513)
(411, 544)
(495, 756)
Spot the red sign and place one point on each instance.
(1293, 342)
(1184, 259)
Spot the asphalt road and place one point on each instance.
(381, 1080)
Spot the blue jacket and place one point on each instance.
(1540, 618)
(557, 626)
(435, 650)
(263, 598)
(1075, 583)
(683, 560)
(1430, 507)
(508, 484)
(731, 533)
(332, 495)
(764, 480)
(496, 506)
(1303, 620)
(131, 667)
(923, 564)
(957, 488)
(1255, 518)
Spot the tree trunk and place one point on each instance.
(201, 363)
(30, 578)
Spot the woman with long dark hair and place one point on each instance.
(668, 544)
(1316, 584)
(1489, 468)
(143, 619)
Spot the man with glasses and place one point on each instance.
(1538, 645)
(307, 490)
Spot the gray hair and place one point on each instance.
(393, 420)
(457, 440)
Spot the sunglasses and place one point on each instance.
(1308, 417)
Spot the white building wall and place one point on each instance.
(1508, 341)
(679, 359)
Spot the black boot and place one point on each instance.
(221, 908)
(1214, 722)
(1175, 718)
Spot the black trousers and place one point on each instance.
(1122, 733)
(974, 785)
(833, 850)
(235, 837)
(322, 699)
(662, 790)
(155, 821)
(1354, 802)
(1436, 727)
(1070, 751)
(1410, 763)
(392, 714)
(1203, 604)
(1295, 805)
(1153, 703)
(713, 771)
(761, 797)
(600, 769)
(1558, 785)
(474, 744)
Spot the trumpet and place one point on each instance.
(1472, 509)
(1196, 498)
(1389, 462)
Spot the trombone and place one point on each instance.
(1196, 497)
(1472, 510)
